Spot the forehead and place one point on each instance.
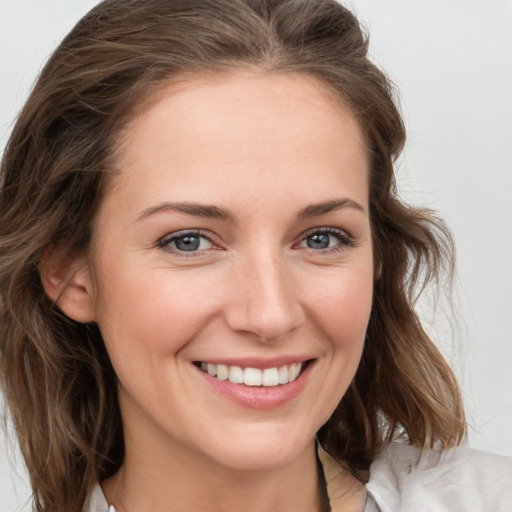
(229, 96)
(246, 128)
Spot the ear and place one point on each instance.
(67, 282)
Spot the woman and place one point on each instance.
(208, 280)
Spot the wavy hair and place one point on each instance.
(59, 385)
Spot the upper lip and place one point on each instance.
(257, 362)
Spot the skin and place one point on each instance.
(263, 148)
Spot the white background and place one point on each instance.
(452, 61)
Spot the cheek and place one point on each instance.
(149, 315)
(342, 306)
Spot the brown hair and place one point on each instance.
(58, 381)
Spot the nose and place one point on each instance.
(263, 300)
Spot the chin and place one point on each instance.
(261, 448)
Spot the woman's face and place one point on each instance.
(235, 240)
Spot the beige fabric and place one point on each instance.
(346, 493)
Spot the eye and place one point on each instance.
(186, 241)
(326, 239)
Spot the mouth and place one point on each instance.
(254, 377)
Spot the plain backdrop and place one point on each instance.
(452, 62)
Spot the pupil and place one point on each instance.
(318, 241)
(187, 243)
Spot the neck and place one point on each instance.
(178, 479)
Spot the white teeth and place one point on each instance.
(252, 377)
(269, 377)
(283, 375)
(293, 371)
(236, 375)
(222, 372)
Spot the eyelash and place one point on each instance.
(344, 239)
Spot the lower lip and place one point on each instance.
(259, 397)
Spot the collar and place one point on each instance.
(344, 491)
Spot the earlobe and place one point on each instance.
(67, 282)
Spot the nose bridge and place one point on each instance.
(266, 303)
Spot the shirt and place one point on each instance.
(459, 480)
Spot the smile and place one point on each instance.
(268, 377)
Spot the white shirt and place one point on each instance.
(460, 480)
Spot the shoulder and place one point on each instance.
(459, 480)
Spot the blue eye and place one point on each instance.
(319, 241)
(325, 239)
(186, 241)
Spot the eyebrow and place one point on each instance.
(315, 210)
(215, 212)
(195, 209)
